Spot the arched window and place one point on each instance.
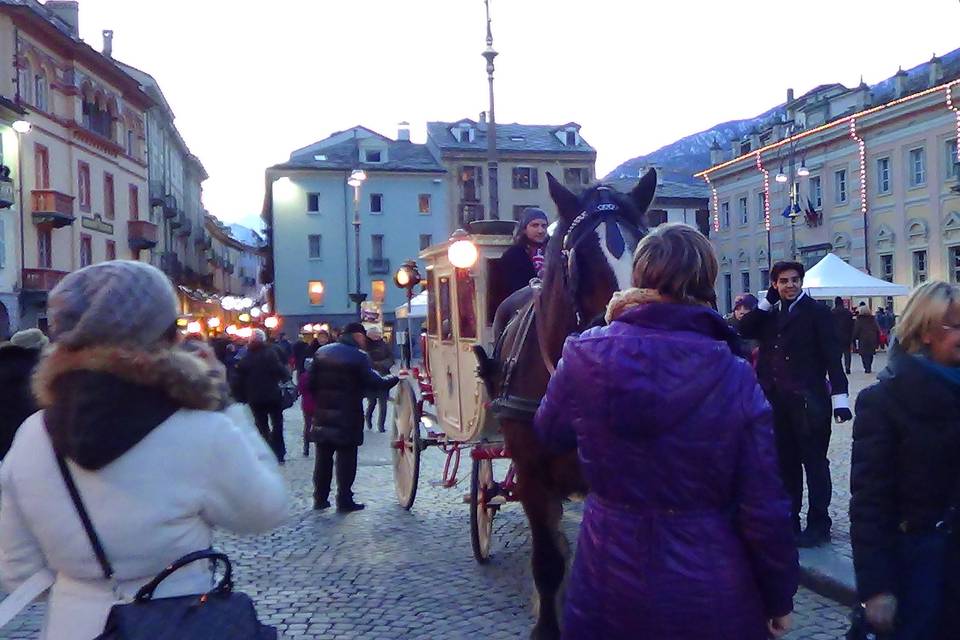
(24, 78)
(40, 92)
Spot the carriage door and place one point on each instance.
(444, 360)
(467, 337)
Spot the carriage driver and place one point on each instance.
(523, 261)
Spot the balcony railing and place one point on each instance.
(378, 265)
(170, 209)
(171, 265)
(41, 279)
(52, 208)
(202, 239)
(228, 266)
(142, 234)
(156, 193)
(186, 226)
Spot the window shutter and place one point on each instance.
(534, 178)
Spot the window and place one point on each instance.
(466, 303)
(919, 267)
(134, 202)
(518, 210)
(376, 203)
(883, 175)
(570, 138)
(372, 156)
(376, 246)
(656, 217)
(315, 245)
(315, 291)
(576, 177)
(111, 251)
(313, 203)
(431, 305)
(952, 164)
(727, 293)
(23, 83)
(743, 211)
(130, 142)
(840, 186)
(44, 248)
(525, 178)
(109, 203)
(86, 250)
(40, 91)
(423, 201)
(761, 207)
(446, 318)
(425, 240)
(745, 281)
(83, 186)
(886, 267)
(764, 278)
(955, 264)
(378, 290)
(918, 173)
(41, 158)
(816, 192)
(725, 214)
(471, 179)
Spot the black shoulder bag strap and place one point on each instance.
(85, 518)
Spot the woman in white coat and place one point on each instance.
(157, 461)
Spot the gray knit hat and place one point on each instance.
(117, 302)
(29, 339)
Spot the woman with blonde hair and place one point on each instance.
(687, 530)
(904, 480)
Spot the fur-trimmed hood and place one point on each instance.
(101, 401)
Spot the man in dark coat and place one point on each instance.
(866, 333)
(340, 376)
(382, 357)
(301, 351)
(843, 323)
(18, 358)
(259, 376)
(799, 350)
(524, 260)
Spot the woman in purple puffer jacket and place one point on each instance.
(686, 532)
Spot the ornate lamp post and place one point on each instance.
(407, 277)
(356, 181)
(489, 54)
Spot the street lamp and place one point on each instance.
(21, 126)
(356, 179)
(489, 54)
(408, 277)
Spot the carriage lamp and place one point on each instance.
(407, 277)
(463, 252)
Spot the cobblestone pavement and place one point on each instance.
(388, 573)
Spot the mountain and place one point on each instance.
(683, 158)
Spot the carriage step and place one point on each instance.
(495, 501)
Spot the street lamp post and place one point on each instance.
(357, 176)
(489, 54)
(793, 200)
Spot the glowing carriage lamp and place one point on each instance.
(407, 277)
(462, 253)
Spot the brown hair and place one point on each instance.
(677, 261)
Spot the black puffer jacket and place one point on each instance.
(517, 268)
(260, 373)
(381, 354)
(16, 399)
(904, 472)
(340, 377)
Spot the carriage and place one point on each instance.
(444, 403)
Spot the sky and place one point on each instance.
(250, 81)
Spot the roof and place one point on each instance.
(537, 138)
(402, 155)
(833, 277)
(246, 235)
(666, 189)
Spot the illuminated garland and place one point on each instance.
(716, 205)
(863, 166)
(766, 192)
(956, 111)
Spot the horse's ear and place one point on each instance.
(642, 194)
(567, 204)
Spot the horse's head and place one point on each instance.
(590, 254)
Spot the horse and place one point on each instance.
(589, 256)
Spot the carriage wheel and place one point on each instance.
(481, 512)
(405, 437)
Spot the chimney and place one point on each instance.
(68, 11)
(936, 71)
(864, 95)
(899, 83)
(403, 131)
(483, 118)
(108, 42)
(735, 148)
(789, 95)
(791, 114)
(716, 153)
(754, 139)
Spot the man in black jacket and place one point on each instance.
(340, 376)
(524, 260)
(799, 350)
(381, 354)
(18, 359)
(259, 376)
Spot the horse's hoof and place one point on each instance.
(545, 632)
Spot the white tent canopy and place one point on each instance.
(418, 307)
(833, 277)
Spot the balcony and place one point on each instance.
(228, 266)
(52, 208)
(41, 280)
(156, 193)
(211, 256)
(186, 226)
(202, 240)
(176, 220)
(376, 266)
(170, 264)
(170, 209)
(142, 234)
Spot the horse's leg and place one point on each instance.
(544, 508)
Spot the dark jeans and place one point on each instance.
(265, 416)
(922, 571)
(307, 425)
(801, 425)
(323, 472)
(379, 398)
(867, 360)
(847, 357)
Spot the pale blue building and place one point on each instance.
(309, 211)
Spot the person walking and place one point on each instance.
(843, 323)
(742, 305)
(381, 355)
(523, 261)
(866, 335)
(135, 420)
(799, 350)
(307, 404)
(904, 482)
(687, 520)
(18, 359)
(340, 376)
(259, 376)
(301, 351)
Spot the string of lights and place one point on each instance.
(766, 192)
(956, 111)
(715, 203)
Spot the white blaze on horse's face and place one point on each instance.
(622, 267)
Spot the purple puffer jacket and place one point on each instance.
(686, 532)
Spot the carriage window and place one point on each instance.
(465, 305)
(431, 305)
(446, 321)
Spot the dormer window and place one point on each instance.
(571, 138)
(373, 156)
(568, 136)
(464, 133)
